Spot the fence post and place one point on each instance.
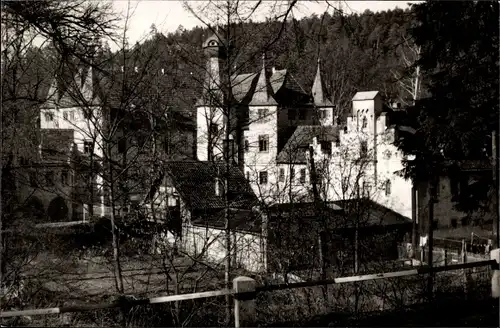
(244, 305)
(495, 280)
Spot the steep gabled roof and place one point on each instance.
(294, 149)
(278, 79)
(242, 85)
(317, 91)
(195, 182)
(262, 95)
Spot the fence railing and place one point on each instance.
(245, 291)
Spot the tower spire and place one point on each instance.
(261, 95)
(317, 88)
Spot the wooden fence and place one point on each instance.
(245, 290)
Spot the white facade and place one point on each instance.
(77, 109)
(365, 158)
(85, 130)
(261, 140)
(210, 132)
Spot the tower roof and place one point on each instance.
(365, 95)
(262, 95)
(214, 46)
(317, 90)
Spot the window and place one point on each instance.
(302, 178)
(337, 142)
(365, 123)
(326, 147)
(247, 145)
(282, 175)
(345, 129)
(465, 221)
(345, 184)
(122, 145)
(65, 115)
(33, 179)
(263, 177)
(366, 189)
(292, 114)
(454, 223)
(49, 179)
(363, 189)
(292, 174)
(172, 201)
(64, 178)
(263, 112)
(72, 115)
(264, 143)
(49, 116)
(218, 187)
(214, 129)
(88, 147)
(363, 148)
(302, 114)
(323, 114)
(435, 224)
(387, 187)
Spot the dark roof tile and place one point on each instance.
(195, 181)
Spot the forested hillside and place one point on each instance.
(358, 52)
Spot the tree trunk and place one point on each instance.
(432, 198)
(114, 232)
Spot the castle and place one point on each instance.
(273, 125)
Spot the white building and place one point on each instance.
(72, 106)
(273, 124)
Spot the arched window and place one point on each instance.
(365, 123)
(387, 187)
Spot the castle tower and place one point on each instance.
(323, 105)
(209, 114)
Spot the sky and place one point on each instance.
(169, 15)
